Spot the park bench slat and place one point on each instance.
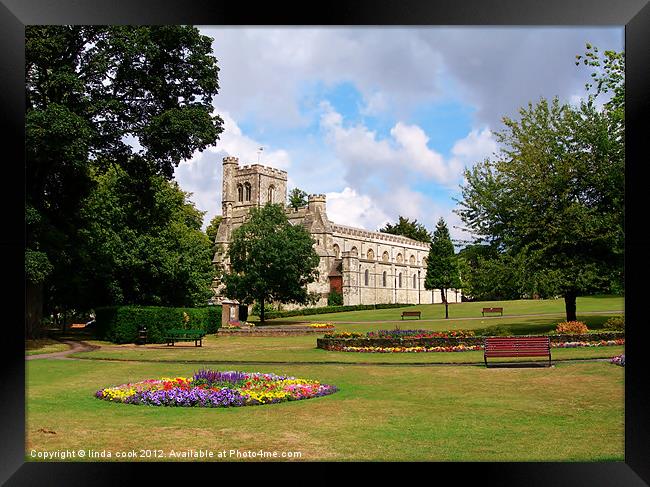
(178, 335)
(411, 313)
(492, 310)
(517, 347)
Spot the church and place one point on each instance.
(365, 267)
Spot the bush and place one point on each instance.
(571, 328)
(335, 298)
(120, 324)
(268, 308)
(616, 323)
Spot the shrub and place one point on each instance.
(571, 328)
(616, 323)
(120, 324)
(335, 298)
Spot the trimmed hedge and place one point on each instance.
(331, 309)
(327, 343)
(120, 324)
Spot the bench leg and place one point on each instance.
(485, 360)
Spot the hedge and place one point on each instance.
(331, 309)
(120, 324)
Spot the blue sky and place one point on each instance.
(381, 120)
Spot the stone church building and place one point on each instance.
(365, 267)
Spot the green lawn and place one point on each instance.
(390, 407)
(571, 412)
(584, 305)
(45, 345)
(299, 349)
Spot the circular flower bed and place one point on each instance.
(211, 388)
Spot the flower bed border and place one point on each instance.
(339, 343)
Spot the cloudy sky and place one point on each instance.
(381, 120)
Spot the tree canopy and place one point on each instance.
(408, 228)
(297, 198)
(270, 260)
(153, 254)
(553, 196)
(213, 226)
(137, 97)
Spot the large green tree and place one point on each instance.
(270, 260)
(97, 96)
(442, 267)
(553, 196)
(407, 228)
(144, 254)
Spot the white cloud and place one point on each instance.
(353, 209)
(201, 175)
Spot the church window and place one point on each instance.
(424, 261)
(354, 252)
(271, 193)
(240, 193)
(383, 279)
(399, 280)
(415, 285)
(371, 254)
(247, 191)
(385, 257)
(400, 259)
(366, 277)
(337, 251)
(412, 260)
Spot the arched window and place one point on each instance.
(412, 260)
(415, 285)
(337, 251)
(400, 259)
(354, 252)
(271, 193)
(383, 279)
(399, 280)
(424, 261)
(247, 191)
(385, 257)
(371, 254)
(366, 277)
(240, 193)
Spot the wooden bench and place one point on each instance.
(185, 336)
(410, 313)
(492, 310)
(517, 347)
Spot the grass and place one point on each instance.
(390, 407)
(46, 345)
(299, 349)
(584, 304)
(571, 412)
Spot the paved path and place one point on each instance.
(74, 348)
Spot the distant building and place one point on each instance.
(365, 267)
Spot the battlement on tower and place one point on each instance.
(250, 169)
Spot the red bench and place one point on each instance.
(492, 310)
(517, 347)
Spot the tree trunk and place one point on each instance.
(443, 293)
(570, 306)
(261, 310)
(33, 309)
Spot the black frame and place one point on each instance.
(634, 14)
